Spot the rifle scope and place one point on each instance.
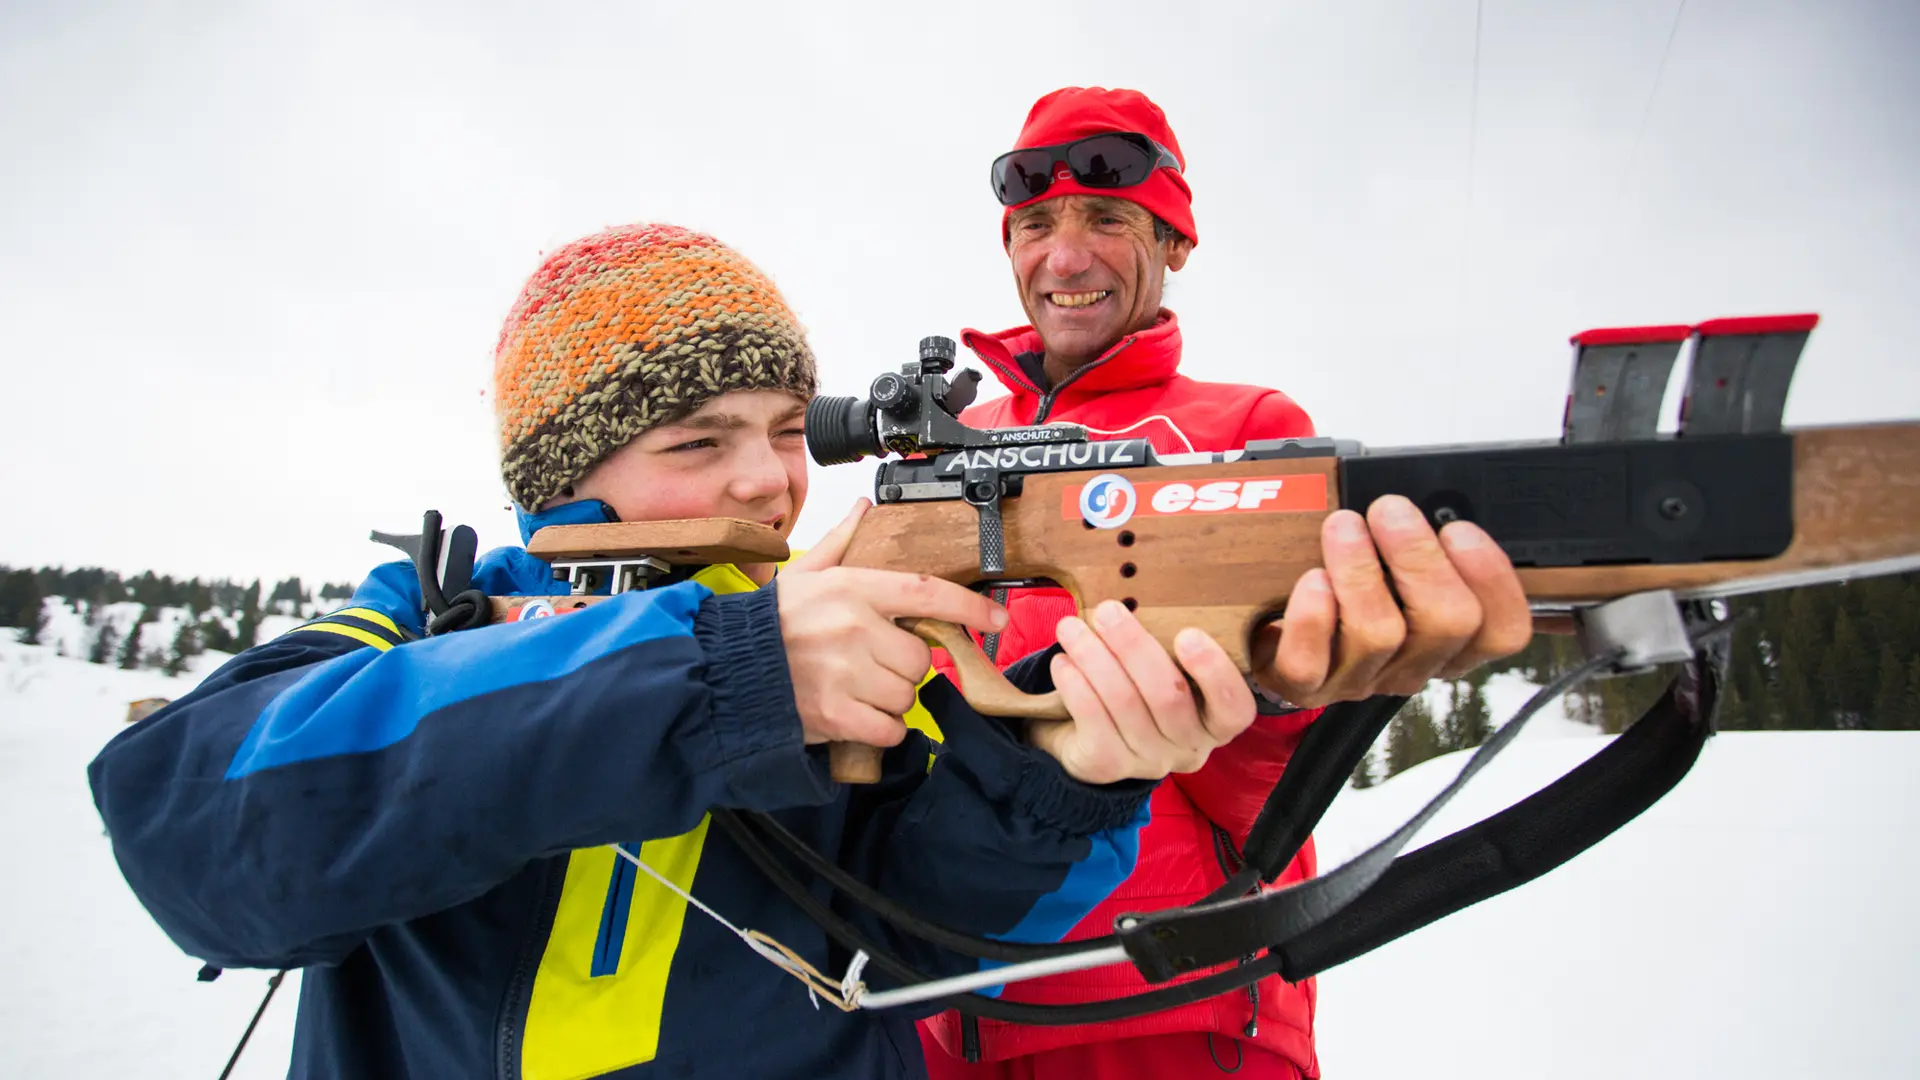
(910, 412)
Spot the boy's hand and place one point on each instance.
(1134, 714)
(854, 670)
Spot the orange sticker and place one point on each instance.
(1294, 492)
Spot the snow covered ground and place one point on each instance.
(92, 987)
(1760, 921)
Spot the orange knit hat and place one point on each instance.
(625, 330)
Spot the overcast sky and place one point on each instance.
(254, 257)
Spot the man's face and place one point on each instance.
(742, 455)
(1089, 272)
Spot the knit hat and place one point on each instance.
(624, 331)
(1075, 112)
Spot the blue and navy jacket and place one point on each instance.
(423, 823)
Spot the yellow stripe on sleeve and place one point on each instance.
(366, 637)
(372, 616)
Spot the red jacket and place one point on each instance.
(1136, 391)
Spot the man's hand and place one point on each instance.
(1344, 638)
(854, 669)
(1135, 716)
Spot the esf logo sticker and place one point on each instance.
(1107, 501)
(1254, 495)
(543, 608)
(533, 609)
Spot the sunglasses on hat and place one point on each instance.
(1109, 160)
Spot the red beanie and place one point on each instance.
(1076, 112)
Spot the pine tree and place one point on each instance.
(1411, 737)
(1889, 709)
(20, 598)
(1469, 722)
(130, 648)
(213, 634)
(1883, 613)
(1847, 674)
(1797, 711)
(186, 646)
(103, 642)
(248, 632)
(1802, 643)
(1913, 687)
(290, 591)
(1735, 711)
(36, 626)
(1743, 702)
(1363, 771)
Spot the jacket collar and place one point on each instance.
(720, 577)
(1145, 358)
(584, 512)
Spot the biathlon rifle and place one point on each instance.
(1614, 523)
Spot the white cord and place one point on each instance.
(788, 964)
(1146, 420)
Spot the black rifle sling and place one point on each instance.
(1529, 838)
(1383, 899)
(1164, 944)
(741, 829)
(1315, 775)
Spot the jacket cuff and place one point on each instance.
(754, 719)
(1058, 801)
(1023, 777)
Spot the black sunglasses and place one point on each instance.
(1109, 160)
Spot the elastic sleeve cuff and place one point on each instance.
(1023, 777)
(755, 721)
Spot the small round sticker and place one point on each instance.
(532, 609)
(1107, 501)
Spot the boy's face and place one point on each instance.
(742, 455)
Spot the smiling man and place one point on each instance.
(1097, 212)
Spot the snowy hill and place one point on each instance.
(1756, 922)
